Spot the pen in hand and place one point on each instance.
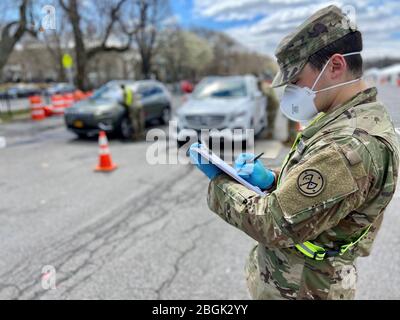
(250, 161)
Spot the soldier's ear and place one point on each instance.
(337, 66)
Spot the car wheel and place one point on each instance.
(166, 115)
(126, 129)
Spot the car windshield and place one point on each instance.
(220, 88)
(112, 92)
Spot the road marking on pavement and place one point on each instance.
(397, 131)
(3, 142)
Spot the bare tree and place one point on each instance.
(185, 54)
(109, 11)
(150, 15)
(232, 58)
(13, 31)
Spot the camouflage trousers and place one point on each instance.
(283, 274)
(138, 122)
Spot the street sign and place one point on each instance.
(67, 61)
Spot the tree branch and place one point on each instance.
(64, 6)
(102, 48)
(6, 30)
(22, 22)
(113, 18)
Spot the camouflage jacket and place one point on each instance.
(352, 154)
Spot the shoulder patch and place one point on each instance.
(310, 182)
(317, 183)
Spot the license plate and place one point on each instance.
(78, 124)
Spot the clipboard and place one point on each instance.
(221, 164)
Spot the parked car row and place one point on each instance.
(25, 90)
(229, 105)
(59, 88)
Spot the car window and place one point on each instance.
(148, 91)
(157, 90)
(113, 92)
(220, 88)
(143, 91)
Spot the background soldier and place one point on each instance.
(138, 118)
(135, 112)
(326, 205)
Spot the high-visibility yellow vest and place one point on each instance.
(128, 95)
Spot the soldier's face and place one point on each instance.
(334, 73)
(307, 77)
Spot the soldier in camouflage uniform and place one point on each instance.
(328, 202)
(135, 112)
(138, 120)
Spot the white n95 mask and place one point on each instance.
(298, 104)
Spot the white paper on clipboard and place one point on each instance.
(214, 159)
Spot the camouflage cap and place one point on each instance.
(322, 28)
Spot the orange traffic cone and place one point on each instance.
(57, 101)
(37, 110)
(105, 162)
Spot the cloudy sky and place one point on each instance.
(260, 24)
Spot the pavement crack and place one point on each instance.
(199, 225)
(167, 283)
(105, 233)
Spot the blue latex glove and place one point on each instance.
(210, 170)
(254, 173)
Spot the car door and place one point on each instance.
(143, 94)
(156, 101)
(160, 101)
(149, 101)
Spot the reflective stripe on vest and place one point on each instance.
(315, 252)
